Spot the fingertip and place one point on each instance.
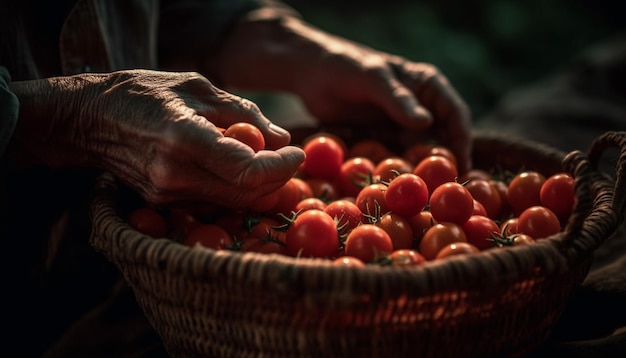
(276, 137)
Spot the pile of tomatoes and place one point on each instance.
(365, 205)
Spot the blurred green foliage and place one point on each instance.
(485, 47)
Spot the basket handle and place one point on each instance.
(601, 199)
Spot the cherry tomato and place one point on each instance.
(436, 170)
(421, 222)
(406, 258)
(475, 173)
(390, 167)
(350, 261)
(265, 203)
(264, 246)
(523, 191)
(368, 242)
(478, 208)
(406, 195)
(557, 194)
(479, 230)
(502, 188)
(267, 228)
(509, 226)
(323, 189)
(211, 236)
(355, 173)
(180, 223)
(456, 248)
(538, 222)
(399, 230)
(289, 195)
(371, 199)
(416, 152)
(312, 234)
(310, 203)
(451, 202)
(324, 157)
(246, 133)
(305, 189)
(147, 220)
(346, 215)
(439, 236)
(486, 194)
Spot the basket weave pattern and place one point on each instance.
(499, 302)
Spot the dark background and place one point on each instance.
(485, 47)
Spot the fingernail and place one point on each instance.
(278, 130)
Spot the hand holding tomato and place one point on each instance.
(156, 131)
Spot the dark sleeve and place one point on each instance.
(9, 107)
(189, 30)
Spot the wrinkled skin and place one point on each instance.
(156, 131)
(339, 80)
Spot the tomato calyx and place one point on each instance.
(504, 238)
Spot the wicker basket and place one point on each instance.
(499, 302)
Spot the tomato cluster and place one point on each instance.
(364, 204)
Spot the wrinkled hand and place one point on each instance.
(157, 132)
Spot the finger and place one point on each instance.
(401, 105)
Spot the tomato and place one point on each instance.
(390, 167)
(323, 189)
(456, 248)
(475, 173)
(371, 199)
(324, 157)
(310, 203)
(289, 195)
(265, 202)
(523, 191)
(502, 188)
(305, 189)
(439, 236)
(399, 230)
(486, 194)
(148, 221)
(180, 223)
(406, 195)
(370, 149)
(522, 239)
(211, 236)
(421, 222)
(478, 209)
(246, 133)
(509, 226)
(557, 194)
(479, 230)
(264, 246)
(236, 224)
(348, 261)
(406, 258)
(439, 150)
(267, 228)
(368, 242)
(416, 152)
(355, 173)
(451, 202)
(436, 170)
(346, 214)
(334, 137)
(538, 222)
(312, 234)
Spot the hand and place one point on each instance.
(156, 131)
(339, 80)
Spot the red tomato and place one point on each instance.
(479, 230)
(236, 224)
(180, 223)
(324, 157)
(248, 134)
(479, 209)
(390, 167)
(148, 221)
(265, 203)
(323, 189)
(443, 152)
(451, 202)
(370, 149)
(368, 242)
(211, 236)
(312, 234)
(371, 199)
(289, 195)
(346, 215)
(439, 236)
(416, 152)
(406, 195)
(419, 224)
(305, 189)
(406, 258)
(502, 188)
(486, 194)
(538, 222)
(557, 194)
(310, 203)
(523, 191)
(355, 173)
(348, 261)
(264, 246)
(436, 170)
(509, 226)
(475, 173)
(399, 230)
(267, 228)
(456, 248)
